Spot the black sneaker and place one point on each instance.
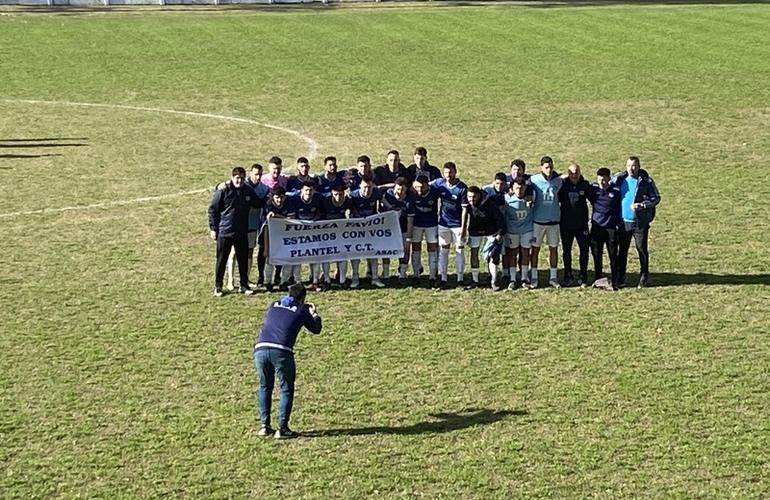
(285, 433)
(471, 285)
(461, 284)
(266, 430)
(442, 285)
(218, 292)
(403, 282)
(431, 283)
(415, 281)
(261, 281)
(345, 285)
(326, 286)
(245, 290)
(269, 287)
(284, 287)
(495, 287)
(642, 281)
(567, 281)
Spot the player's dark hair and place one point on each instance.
(367, 178)
(401, 181)
(363, 159)
(518, 162)
(309, 184)
(474, 190)
(302, 159)
(603, 172)
(422, 179)
(393, 152)
(338, 188)
(419, 150)
(298, 291)
(500, 176)
(546, 159)
(279, 191)
(521, 181)
(636, 160)
(239, 171)
(330, 158)
(450, 165)
(276, 159)
(257, 166)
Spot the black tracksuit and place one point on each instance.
(573, 225)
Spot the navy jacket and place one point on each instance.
(606, 207)
(430, 171)
(574, 199)
(283, 322)
(646, 193)
(485, 219)
(229, 210)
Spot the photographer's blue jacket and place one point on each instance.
(284, 319)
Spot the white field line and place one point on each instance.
(311, 144)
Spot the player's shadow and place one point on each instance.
(17, 157)
(440, 423)
(678, 279)
(29, 145)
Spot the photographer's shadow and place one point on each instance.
(678, 279)
(446, 422)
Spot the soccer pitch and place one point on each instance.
(122, 377)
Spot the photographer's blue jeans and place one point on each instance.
(272, 362)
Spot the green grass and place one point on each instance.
(122, 377)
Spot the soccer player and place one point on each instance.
(604, 227)
(366, 200)
(485, 222)
(362, 169)
(452, 222)
(546, 186)
(274, 355)
(276, 207)
(422, 167)
(332, 176)
(574, 196)
(336, 206)
(497, 190)
(398, 198)
(228, 217)
(385, 175)
(518, 228)
(518, 168)
(306, 205)
(274, 177)
(639, 197)
(295, 182)
(426, 203)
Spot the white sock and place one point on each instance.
(297, 272)
(433, 264)
(493, 271)
(524, 270)
(459, 263)
(505, 271)
(533, 271)
(443, 263)
(553, 273)
(512, 272)
(373, 265)
(342, 268)
(416, 256)
(385, 270)
(327, 269)
(402, 271)
(230, 269)
(475, 275)
(268, 272)
(355, 268)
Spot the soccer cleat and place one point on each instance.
(218, 292)
(269, 287)
(554, 283)
(355, 283)
(284, 287)
(415, 281)
(495, 287)
(245, 290)
(285, 433)
(583, 282)
(385, 280)
(378, 283)
(470, 285)
(642, 281)
(533, 284)
(327, 286)
(565, 282)
(344, 285)
(403, 282)
(512, 285)
(266, 430)
(432, 283)
(460, 284)
(261, 281)
(443, 285)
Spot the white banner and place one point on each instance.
(292, 242)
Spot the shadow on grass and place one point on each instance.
(18, 157)
(46, 139)
(446, 422)
(38, 145)
(676, 279)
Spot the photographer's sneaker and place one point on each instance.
(266, 430)
(285, 433)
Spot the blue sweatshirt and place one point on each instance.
(606, 207)
(284, 319)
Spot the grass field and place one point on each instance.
(122, 377)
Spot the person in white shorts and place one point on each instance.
(426, 204)
(452, 222)
(546, 217)
(518, 226)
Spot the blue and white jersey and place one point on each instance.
(333, 211)
(518, 216)
(325, 184)
(453, 199)
(405, 207)
(426, 208)
(547, 211)
(284, 210)
(294, 184)
(366, 206)
(305, 210)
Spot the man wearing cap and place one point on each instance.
(274, 356)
